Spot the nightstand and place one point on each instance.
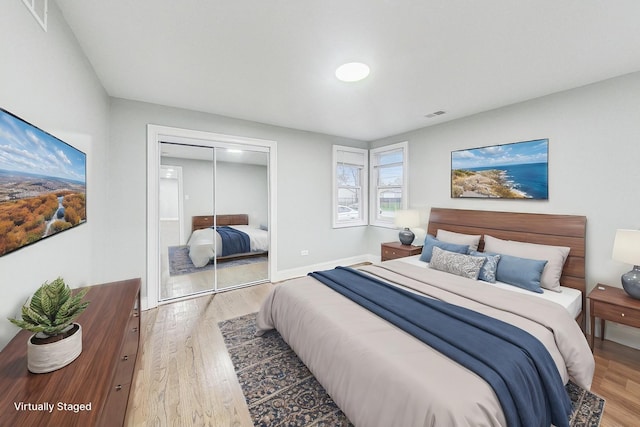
(394, 250)
(610, 303)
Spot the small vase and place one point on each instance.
(631, 282)
(42, 358)
(406, 236)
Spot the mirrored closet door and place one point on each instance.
(242, 216)
(186, 188)
(213, 217)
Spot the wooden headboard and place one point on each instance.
(545, 229)
(206, 221)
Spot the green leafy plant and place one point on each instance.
(51, 309)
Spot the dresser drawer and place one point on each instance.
(132, 336)
(116, 406)
(124, 370)
(616, 313)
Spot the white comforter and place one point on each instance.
(203, 243)
(381, 376)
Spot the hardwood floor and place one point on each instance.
(617, 379)
(185, 378)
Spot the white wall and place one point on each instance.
(46, 80)
(594, 147)
(243, 188)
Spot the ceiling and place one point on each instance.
(273, 61)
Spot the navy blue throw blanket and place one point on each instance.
(233, 241)
(515, 363)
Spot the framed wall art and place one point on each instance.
(518, 170)
(42, 184)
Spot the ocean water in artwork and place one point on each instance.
(529, 178)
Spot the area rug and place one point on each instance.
(280, 390)
(180, 263)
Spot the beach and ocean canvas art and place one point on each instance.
(42, 184)
(518, 170)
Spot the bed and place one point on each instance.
(206, 243)
(380, 375)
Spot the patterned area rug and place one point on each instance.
(180, 263)
(280, 390)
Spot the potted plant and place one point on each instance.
(50, 314)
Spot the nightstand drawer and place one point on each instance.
(395, 250)
(388, 254)
(616, 313)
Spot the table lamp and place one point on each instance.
(626, 248)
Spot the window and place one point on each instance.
(350, 174)
(388, 183)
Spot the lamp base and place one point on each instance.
(406, 236)
(631, 282)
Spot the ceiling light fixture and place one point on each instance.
(352, 72)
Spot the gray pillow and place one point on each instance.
(554, 255)
(455, 263)
(473, 240)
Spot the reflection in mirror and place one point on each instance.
(221, 186)
(186, 191)
(242, 205)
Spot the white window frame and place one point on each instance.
(374, 218)
(362, 220)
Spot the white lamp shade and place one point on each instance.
(626, 246)
(407, 218)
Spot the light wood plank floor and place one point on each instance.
(184, 376)
(617, 379)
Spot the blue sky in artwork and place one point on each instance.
(25, 148)
(519, 153)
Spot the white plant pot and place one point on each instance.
(42, 358)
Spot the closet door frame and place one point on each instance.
(157, 134)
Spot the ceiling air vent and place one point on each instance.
(435, 114)
(38, 9)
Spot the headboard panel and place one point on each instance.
(205, 221)
(545, 229)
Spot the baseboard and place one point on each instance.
(304, 270)
(625, 335)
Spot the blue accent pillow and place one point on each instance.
(521, 272)
(490, 266)
(430, 242)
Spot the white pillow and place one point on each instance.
(554, 255)
(459, 239)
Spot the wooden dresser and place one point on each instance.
(94, 389)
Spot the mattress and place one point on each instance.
(569, 298)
